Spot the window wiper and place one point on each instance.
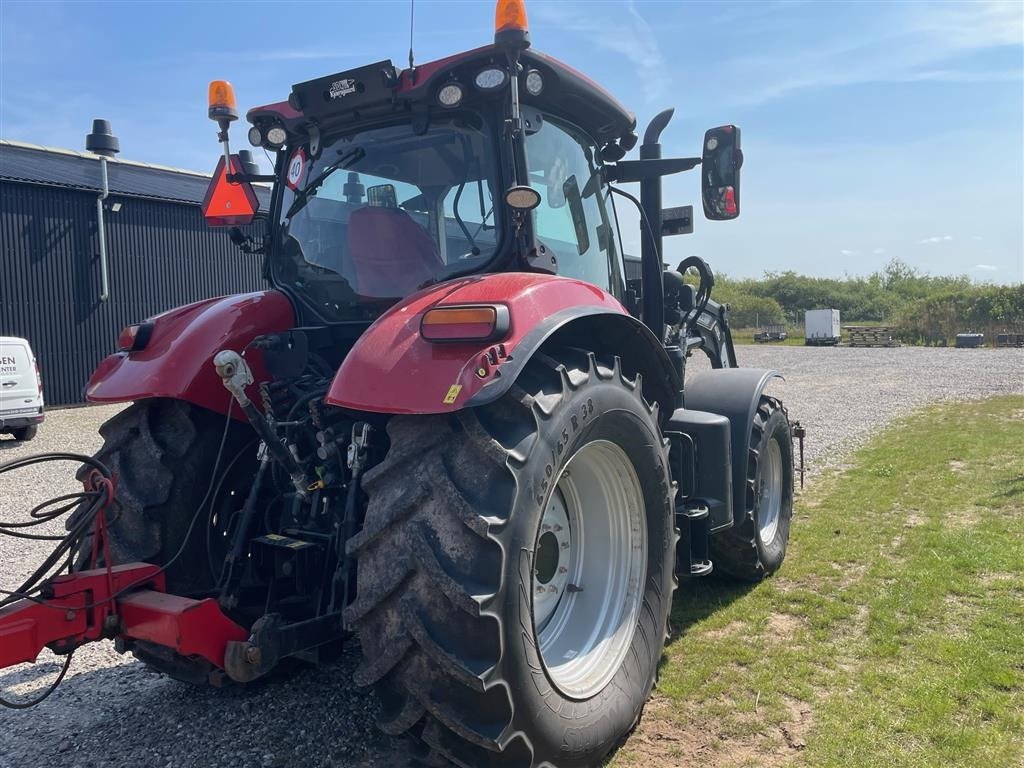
(483, 224)
(343, 162)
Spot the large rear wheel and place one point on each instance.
(163, 454)
(515, 570)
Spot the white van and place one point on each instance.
(21, 389)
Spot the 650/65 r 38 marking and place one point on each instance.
(478, 641)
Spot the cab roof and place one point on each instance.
(381, 89)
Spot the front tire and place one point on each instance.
(465, 651)
(756, 546)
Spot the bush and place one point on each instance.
(975, 309)
(926, 308)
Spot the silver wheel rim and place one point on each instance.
(590, 562)
(770, 499)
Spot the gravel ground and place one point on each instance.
(111, 710)
(844, 396)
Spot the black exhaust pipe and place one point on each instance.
(651, 266)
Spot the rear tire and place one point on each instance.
(448, 571)
(756, 546)
(162, 454)
(24, 434)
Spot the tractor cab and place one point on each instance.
(386, 181)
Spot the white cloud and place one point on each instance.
(936, 239)
(986, 267)
(849, 253)
(630, 37)
(904, 42)
(977, 238)
(878, 251)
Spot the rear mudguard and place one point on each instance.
(735, 394)
(392, 369)
(177, 361)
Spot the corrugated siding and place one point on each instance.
(37, 165)
(160, 255)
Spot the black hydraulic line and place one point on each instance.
(458, 219)
(26, 594)
(97, 497)
(274, 445)
(76, 537)
(214, 572)
(645, 281)
(231, 576)
(45, 694)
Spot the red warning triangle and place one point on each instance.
(229, 204)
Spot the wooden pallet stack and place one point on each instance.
(871, 335)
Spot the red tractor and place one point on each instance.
(450, 427)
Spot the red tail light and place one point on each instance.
(730, 201)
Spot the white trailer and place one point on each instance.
(821, 327)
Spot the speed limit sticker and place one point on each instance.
(296, 169)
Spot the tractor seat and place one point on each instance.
(391, 254)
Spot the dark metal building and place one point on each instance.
(160, 254)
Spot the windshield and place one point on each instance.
(383, 212)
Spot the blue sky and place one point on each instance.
(871, 130)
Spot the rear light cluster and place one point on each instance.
(134, 337)
(489, 322)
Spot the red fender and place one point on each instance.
(177, 362)
(392, 369)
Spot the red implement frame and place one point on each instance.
(87, 606)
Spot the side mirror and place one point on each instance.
(720, 173)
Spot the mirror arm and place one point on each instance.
(626, 171)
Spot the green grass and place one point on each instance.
(893, 634)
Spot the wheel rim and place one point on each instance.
(589, 567)
(770, 501)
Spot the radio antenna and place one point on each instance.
(412, 21)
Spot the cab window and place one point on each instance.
(572, 219)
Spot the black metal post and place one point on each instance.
(651, 247)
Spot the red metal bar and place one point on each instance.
(73, 612)
(26, 628)
(86, 606)
(190, 627)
